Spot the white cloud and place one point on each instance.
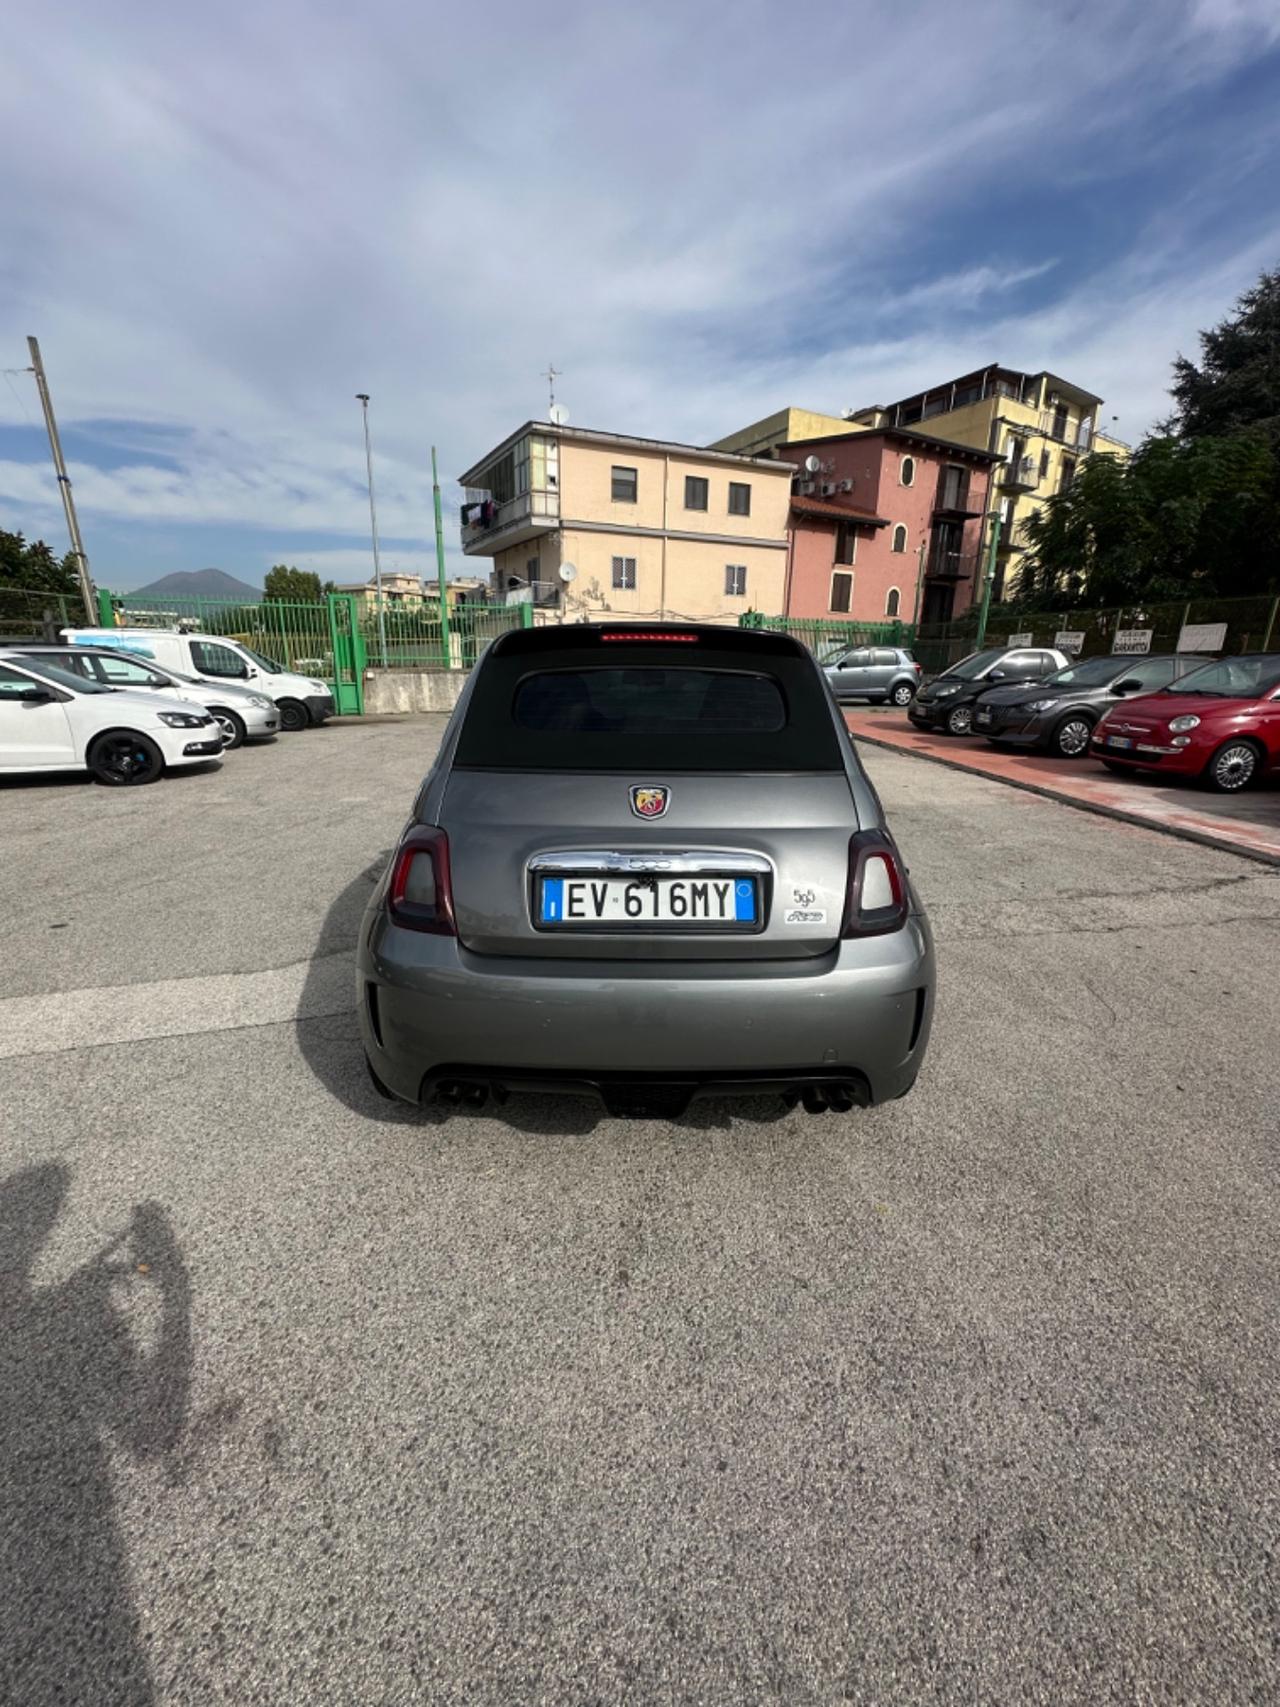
(244, 215)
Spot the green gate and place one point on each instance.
(320, 638)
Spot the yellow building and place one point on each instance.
(785, 426)
(1040, 423)
(589, 523)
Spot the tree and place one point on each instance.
(300, 585)
(34, 568)
(1236, 387)
(1196, 510)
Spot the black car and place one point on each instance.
(948, 700)
(1059, 713)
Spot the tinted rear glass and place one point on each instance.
(649, 700)
(642, 707)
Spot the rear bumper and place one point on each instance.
(430, 1010)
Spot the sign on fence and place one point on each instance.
(1202, 637)
(1069, 640)
(1019, 640)
(1132, 640)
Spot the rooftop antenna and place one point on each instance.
(552, 374)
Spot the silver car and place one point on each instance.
(878, 673)
(239, 712)
(648, 865)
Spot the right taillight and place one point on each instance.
(877, 900)
(420, 895)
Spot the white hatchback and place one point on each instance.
(51, 720)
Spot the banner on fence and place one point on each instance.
(1202, 637)
(1069, 640)
(1020, 640)
(1132, 640)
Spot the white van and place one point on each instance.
(302, 699)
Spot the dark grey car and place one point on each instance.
(1061, 712)
(947, 701)
(878, 673)
(646, 864)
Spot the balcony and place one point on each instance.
(951, 565)
(539, 593)
(1075, 435)
(952, 498)
(1020, 476)
(493, 527)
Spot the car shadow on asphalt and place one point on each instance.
(78, 1388)
(329, 1039)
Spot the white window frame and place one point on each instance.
(832, 608)
(908, 462)
(895, 615)
(618, 567)
(894, 547)
(735, 571)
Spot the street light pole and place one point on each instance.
(64, 483)
(915, 608)
(362, 397)
(989, 579)
(445, 645)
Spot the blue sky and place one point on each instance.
(223, 223)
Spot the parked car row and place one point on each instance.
(128, 704)
(1182, 714)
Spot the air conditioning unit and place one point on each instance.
(828, 488)
(804, 488)
(846, 485)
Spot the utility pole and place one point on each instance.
(64, 483)
(989, 579)
(362, 398)
(445, 647)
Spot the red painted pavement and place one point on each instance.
(1247, 823)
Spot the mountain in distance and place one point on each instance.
(200, 584)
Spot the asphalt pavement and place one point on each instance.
(307, 1397)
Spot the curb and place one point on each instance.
(1203, 837)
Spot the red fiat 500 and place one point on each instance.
(1221, 723)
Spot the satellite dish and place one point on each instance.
(812, 464)
(568, 571)
(558, 415)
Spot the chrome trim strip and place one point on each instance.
(621, 862)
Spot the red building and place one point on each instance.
(885, 522)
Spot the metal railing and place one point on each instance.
(823, 634)
(1252, 625)
(1076, 435)
(24, 612)
(541, 506)
(953, 565)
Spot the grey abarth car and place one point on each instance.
(646, 865)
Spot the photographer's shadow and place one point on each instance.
(74, 1382)
(329, 1038)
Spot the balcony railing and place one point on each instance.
(487, 519)
(1076, 435)
(952, 565)
(534, 593)
(1020, 476)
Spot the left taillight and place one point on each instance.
(420, 894)
(877, 899)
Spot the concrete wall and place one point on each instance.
(389, 691)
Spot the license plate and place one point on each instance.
(1119, 741)
(566, 902)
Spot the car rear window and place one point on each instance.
(643, 706)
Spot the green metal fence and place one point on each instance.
(823, 635)
(24, 611)
(336, 638)
(1252, 625)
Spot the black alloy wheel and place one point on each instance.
(125, 759)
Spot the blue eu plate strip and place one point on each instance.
(744, 897)
(552, 900)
